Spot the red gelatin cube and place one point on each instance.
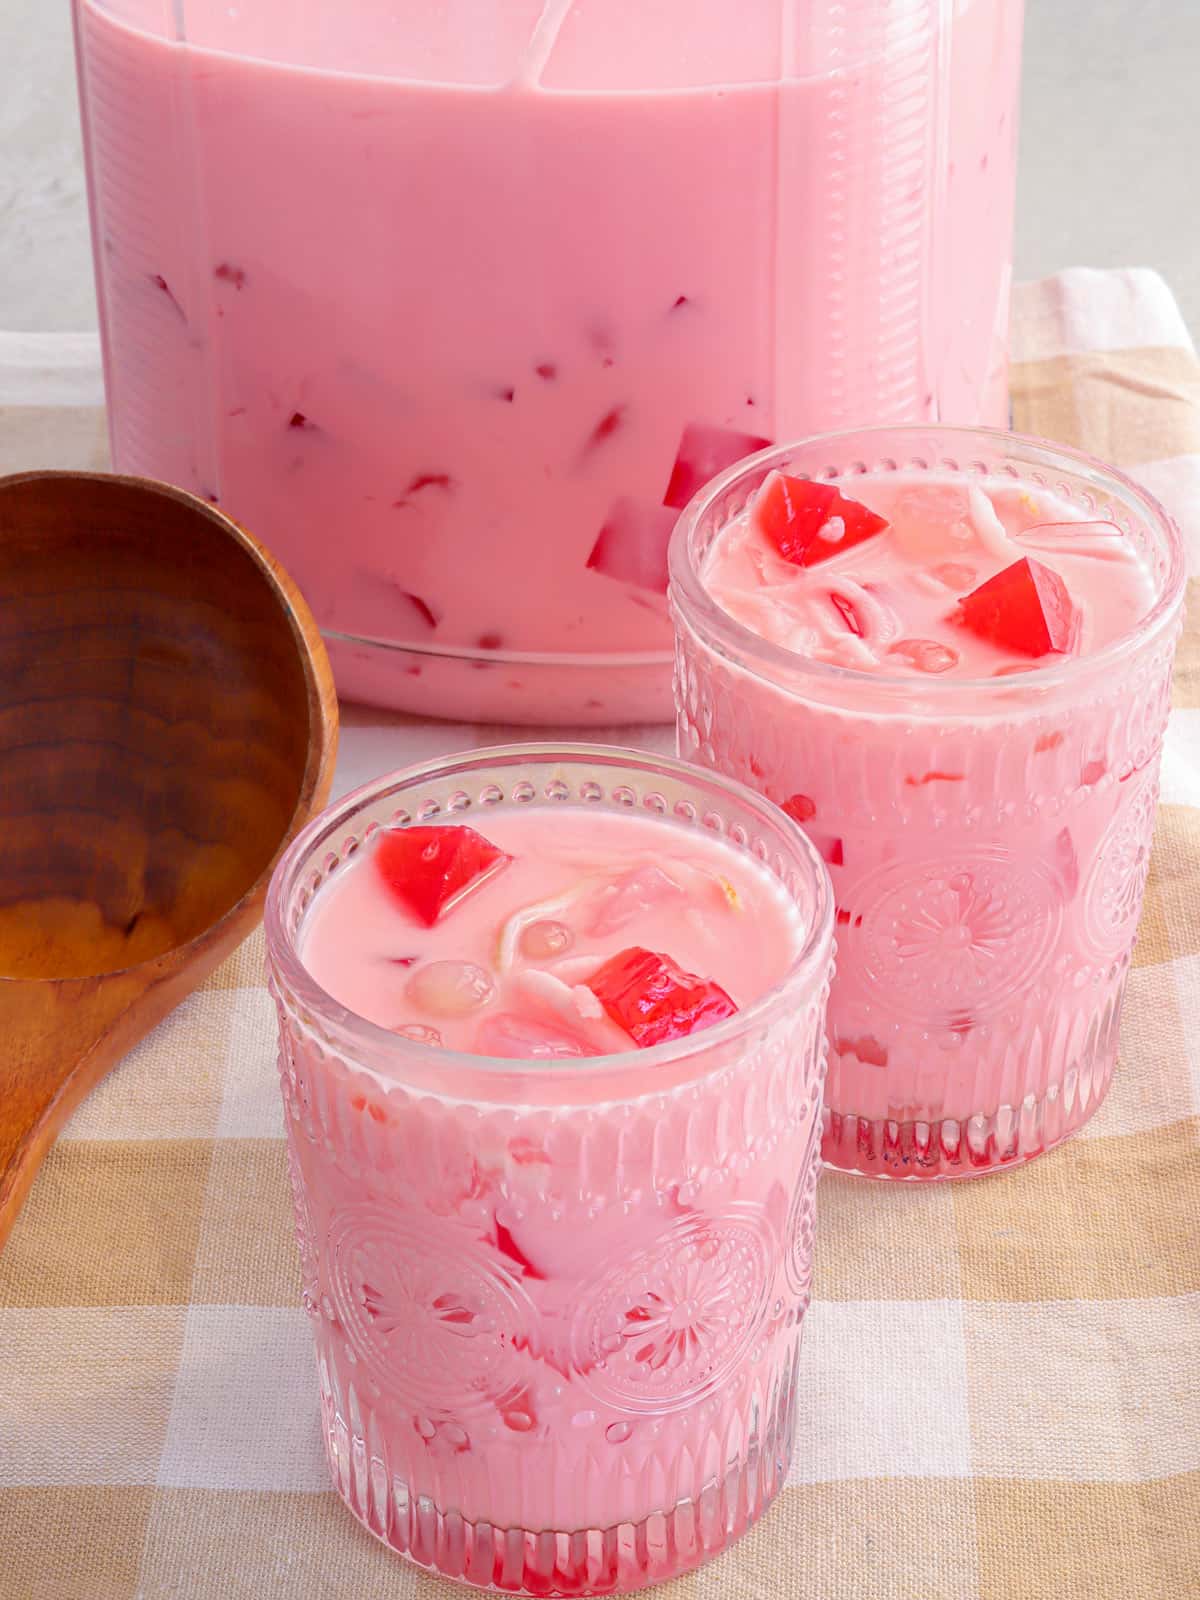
(509, 1247)
(831, 850)
(800, 808)
(632, 545)
(422, 607)
(808, 522)
(1067, 862)
(429, 869)
(845, 610)
(604, 429)
(1026, 609)
(935, 776)
(654, 1000)
(703, 452)
(866, 1047)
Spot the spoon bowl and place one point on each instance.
(168, 723)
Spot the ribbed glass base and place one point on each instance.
(575, 1561)
(968, 1147)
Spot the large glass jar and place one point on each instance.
(456, 302)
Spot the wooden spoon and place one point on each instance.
(167, 724)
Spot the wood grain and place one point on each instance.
(168, 723)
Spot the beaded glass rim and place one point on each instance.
(758, 828)
(932, 447)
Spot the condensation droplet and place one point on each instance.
(424, 1427)
(618, 1432)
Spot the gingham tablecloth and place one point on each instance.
(1000, 1380)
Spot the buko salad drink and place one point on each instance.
(947, 653)
(456, 303)
(552, 1053)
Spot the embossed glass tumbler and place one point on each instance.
(504, 1427)
(985, 921)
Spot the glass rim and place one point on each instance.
(453, 1065)
(607, 660)
(718, 628)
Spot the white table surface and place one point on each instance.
(1110, 151)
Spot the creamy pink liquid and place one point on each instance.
(513, 957)
(431, 298)
(988, 853)
(873, 608)
(557, 1320)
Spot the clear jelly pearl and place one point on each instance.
(541, 941)
(926, 655)
(450, 988)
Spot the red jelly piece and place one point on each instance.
(703, 452)
(429, 869)
(845, 610)
(866, 1047)
(632, 545)
(809, 522)
(422, 607)
(604, 429)
(800, 808)
(654, 1000)
(1026, 608)
(934, 776)
(832, 850)
(509, 1247)
(1067, 862)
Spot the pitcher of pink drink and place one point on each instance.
(456, 305)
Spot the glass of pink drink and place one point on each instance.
(556, 1289)
(956, 674)
(456, 304)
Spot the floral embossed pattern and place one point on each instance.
(432, 1318)
(943, 937)
(801, 1222)
(663, 1330)
(305, 1237)
(1118, 879)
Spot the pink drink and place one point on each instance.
(513, 958)
(986, 812)
(456, 305)
(557, 1301)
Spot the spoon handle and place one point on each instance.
(57, 1039)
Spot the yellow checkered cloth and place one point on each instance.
(1000, 1380)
